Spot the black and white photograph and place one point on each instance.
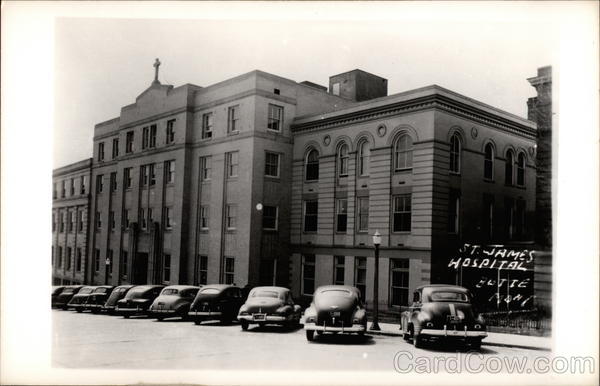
(300, 192)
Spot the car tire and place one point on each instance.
(476, 344)
(244, 325)
(160, 318)
(126, 316)
(197, 322)
(310, 335)
(79, 310)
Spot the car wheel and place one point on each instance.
(476, 344)
(79, 310)
(197, 322)
(126, 316)
(244, 325)
(160, 318)
(310, 335)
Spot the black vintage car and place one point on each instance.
(117, 294)
(173, 301)
(138, 300)
(269, 305)
(78, 301)
(63, 299)
(97, 298)
(442, 311)
(216, 302)
(56, 290)
(335, 309)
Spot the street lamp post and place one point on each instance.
(107, 262)
(376, 243)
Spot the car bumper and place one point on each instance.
(254, 318)
(352, 328)
(205, 313)
(130, 311)
(454, 333)
(163, 312)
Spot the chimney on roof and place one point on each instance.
(358, 85)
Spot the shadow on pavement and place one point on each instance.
(343, 339)
(274, 329)
(453, 346)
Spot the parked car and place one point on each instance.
(137, 301)
(216, 302)
(335, 309)
(269, 305)
(442, 312)
(63, 299)
(78, 301)
(117, 294)
(173, 301)
(56, 290)
(97, 298)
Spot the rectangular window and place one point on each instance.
(53, 222)
(80, 221)
(124, 262)
(167, 268)
(311, 210)
(275, 117)
(201, 271)
(63, 189)
(270, 217)
(60, 257)
(145, 137)
(101, 151)
(341, 215)
(168, 218)
(338, 270)
(142, 218)
(127, 177)
(98, 221)
(360, 275)
(170, 133)
(232, 119)
(150, 218)
(54, 191)
(308, 274)
(231, 161)
(115, 148)
(69, 257)
(78, 260)
(229, 270)
(207, 125)
(399, 282)
(402, 213)
(152, 174)
(205, 167)
(71, 221)
(113, 182)
(152, 141)
(99, 183)
(129, 142)
(454, 212)
(72, 192)
(145, 174)
(272, 164)
(363, 214)
(96, 259)
(62, 222)
(126, 218)
(230, 216)
(204, 217)
(111, 220)
(170, 170)
(83, 186)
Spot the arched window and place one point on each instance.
(364, 151)
(455, 153)
(312, 165)
(508, 168)
(343, 160)
(521, 169)
(488, 162)
(403, 152)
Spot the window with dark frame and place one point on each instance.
(229, 271)
(343, 160)
(488, 162)
(124, 267)
(207, 125)
(168, 218)
(72, 190)
(115, 148)
(99, 183)
(312, 166)
(142, 218)
(63, 190)
(152, 140)
(68, 258)
(59, 257)
(360, 275)
(129, 137)
(269, 217)
(96, 260)
(150, 218)
(145, 137)
(402, 213)
(308, 274)
(128, 178)
(71, 221)
(364, 152)
(232, 119)
(113, 182)
(204, 217)
(98, 221)
(341, 215)
(83, 187)
(53, 222)
(170, 132)
(271, 164)
(231, 160)
(311, 210)
(363, 214)
(101, 151)
(201, 270)
(126, 218)
(145, 174)
(508, 168)
(455, 150)
(152, 174)
(80, 221)
(521, 169)
(399, 271)
(170, 168)
(111, 220)
(205, 168)
(338, 270)
(62, 222)
(167, 268)
(54, 191)
(230, 216)
(275, 117)
(78, 260)
(403, 152)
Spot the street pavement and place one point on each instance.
(110, 342)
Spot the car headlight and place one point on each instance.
(477, 326)
(429, 324)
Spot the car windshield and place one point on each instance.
(448, 296)
(209, 291)
(68, 291)
(100, 290)
(86, 291)
(338, 292)
(170, 291)
(136, 293)
(265, 294)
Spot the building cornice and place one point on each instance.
(73, 168)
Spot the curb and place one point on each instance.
(483, 343)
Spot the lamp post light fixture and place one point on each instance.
(376, 243)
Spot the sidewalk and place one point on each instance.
(493, 338)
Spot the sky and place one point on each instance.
(102, 64)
